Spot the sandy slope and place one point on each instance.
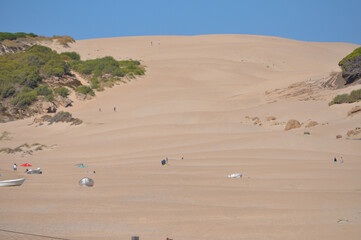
(192, 103)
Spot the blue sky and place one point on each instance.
(317, 20)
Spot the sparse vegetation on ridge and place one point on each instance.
(352, 55)
(14, 36)
(104, 72)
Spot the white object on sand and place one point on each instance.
(86, 182)
(235, 175)
(12, 182)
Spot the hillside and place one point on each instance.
(213, 105)
(39, 80)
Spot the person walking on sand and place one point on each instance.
(115, 109)
(15, 167)
(335, 160)
(341, 160)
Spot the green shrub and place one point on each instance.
(7, 91)
(355, 96)
(26, 89)
(94, 83)
(70, 56)
(23, 100)
(50, 97)
(85, 90)
(43, 90)
(62, 91)
(56, 67)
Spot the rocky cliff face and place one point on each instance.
(352, 69)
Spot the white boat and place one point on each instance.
(235, 175)
(12, 182)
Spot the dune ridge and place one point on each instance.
(191, 104)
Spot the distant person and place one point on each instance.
(151, 43)
(341, 160)
(15, 167)
(115, 109)
(158, 42)
(335, 160)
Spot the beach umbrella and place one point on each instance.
(26, 165)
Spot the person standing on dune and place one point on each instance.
(15, 167)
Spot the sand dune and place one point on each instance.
(192, 103)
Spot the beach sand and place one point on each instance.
(196, 101)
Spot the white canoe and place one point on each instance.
(12, 182)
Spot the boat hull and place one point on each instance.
(12, 182)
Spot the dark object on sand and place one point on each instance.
(135, 238)
(35, 171)
(164, 162)
(86, 182)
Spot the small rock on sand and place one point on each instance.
(291, 124)
(311, 124)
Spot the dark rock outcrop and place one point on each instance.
(351, 69)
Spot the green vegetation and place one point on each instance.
(85, 90)
(21, 74)
(67, 56)
(355, 53)
(45, 91)
(355, 96)
(24, 99)
(62, 91)
(13, 36)
(105, 71)
(30, 67)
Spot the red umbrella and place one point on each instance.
(26, 165)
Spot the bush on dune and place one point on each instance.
(62, 91)
(68, 56)
(354, 96)
(24, 99)
(85, 90)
